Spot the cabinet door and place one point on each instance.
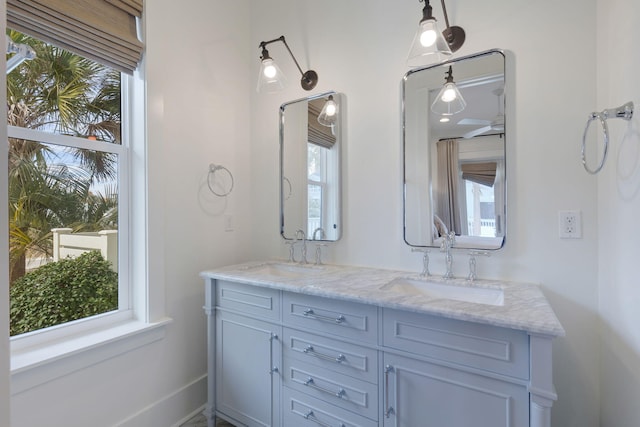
(248, 355)
(418, 393)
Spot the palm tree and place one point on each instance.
(58, 92)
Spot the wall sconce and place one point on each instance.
(329, 113)
(431, 45)
(271, 78)
(449, 100)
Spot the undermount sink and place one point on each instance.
(446, 290)
(284, 270)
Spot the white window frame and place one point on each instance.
(43, 355)
(321, 183)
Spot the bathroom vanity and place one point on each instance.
(302, 345)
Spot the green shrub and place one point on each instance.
(62, 291)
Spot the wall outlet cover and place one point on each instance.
(570, 224)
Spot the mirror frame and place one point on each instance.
(339, 98)
(506, 135)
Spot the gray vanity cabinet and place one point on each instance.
(282, 358)
(330, 362)
(453, 373)
(248, 354)
(443, 396)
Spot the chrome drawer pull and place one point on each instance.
(274, 369)
(310, 350)
(339, 394)
(312, 417)
(389, 409)
(309, 312)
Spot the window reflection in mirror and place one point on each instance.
(310, 169)
(454, 164)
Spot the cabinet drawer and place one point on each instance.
(301, 410)
(345, 358)
(346, 319)
(500, 350)
(346, 392)
(255, 300)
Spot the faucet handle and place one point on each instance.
(319, 247)
(425, 260)
(291, 244)
(472, 263)
(480, 253)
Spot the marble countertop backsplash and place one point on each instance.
(524, 307)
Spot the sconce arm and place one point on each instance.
(309, 78)
(446, 17)
(281, 39)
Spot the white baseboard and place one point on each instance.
(173, 409)
(198, 411)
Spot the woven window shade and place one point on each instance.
(101, 30)
(481, 173)
(319, 134)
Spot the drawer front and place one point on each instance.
(500, 350)
(301, 410)
(340, 390)
(254, 300)
(345, 358)
(342, 318)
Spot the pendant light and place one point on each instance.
(329, 113)
(429, 44)
(272, 79)
(449, 100)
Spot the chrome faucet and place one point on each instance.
(447, 244)
(303, 257)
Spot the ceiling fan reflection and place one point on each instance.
(495, 125)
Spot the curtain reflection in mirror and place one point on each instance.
(446, 190)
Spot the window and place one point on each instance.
(68, 188)
(317, 183)
(481, 189)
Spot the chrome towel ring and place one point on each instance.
(213, 169)
(623, 112)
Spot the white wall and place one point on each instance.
(618, 213)
(360, 49)
(197, 62)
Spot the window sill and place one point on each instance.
(37, 365)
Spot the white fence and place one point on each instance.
(68, 244)
(487, 227)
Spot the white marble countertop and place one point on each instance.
(523, 307)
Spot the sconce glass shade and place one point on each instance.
(429, 45)
(271, 78)
(449, 100)
(329, 113)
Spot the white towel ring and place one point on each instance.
(624, 112)
(212, 172)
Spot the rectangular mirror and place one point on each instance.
(310, 168)
(454, 161)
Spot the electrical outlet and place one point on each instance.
(570, 224)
